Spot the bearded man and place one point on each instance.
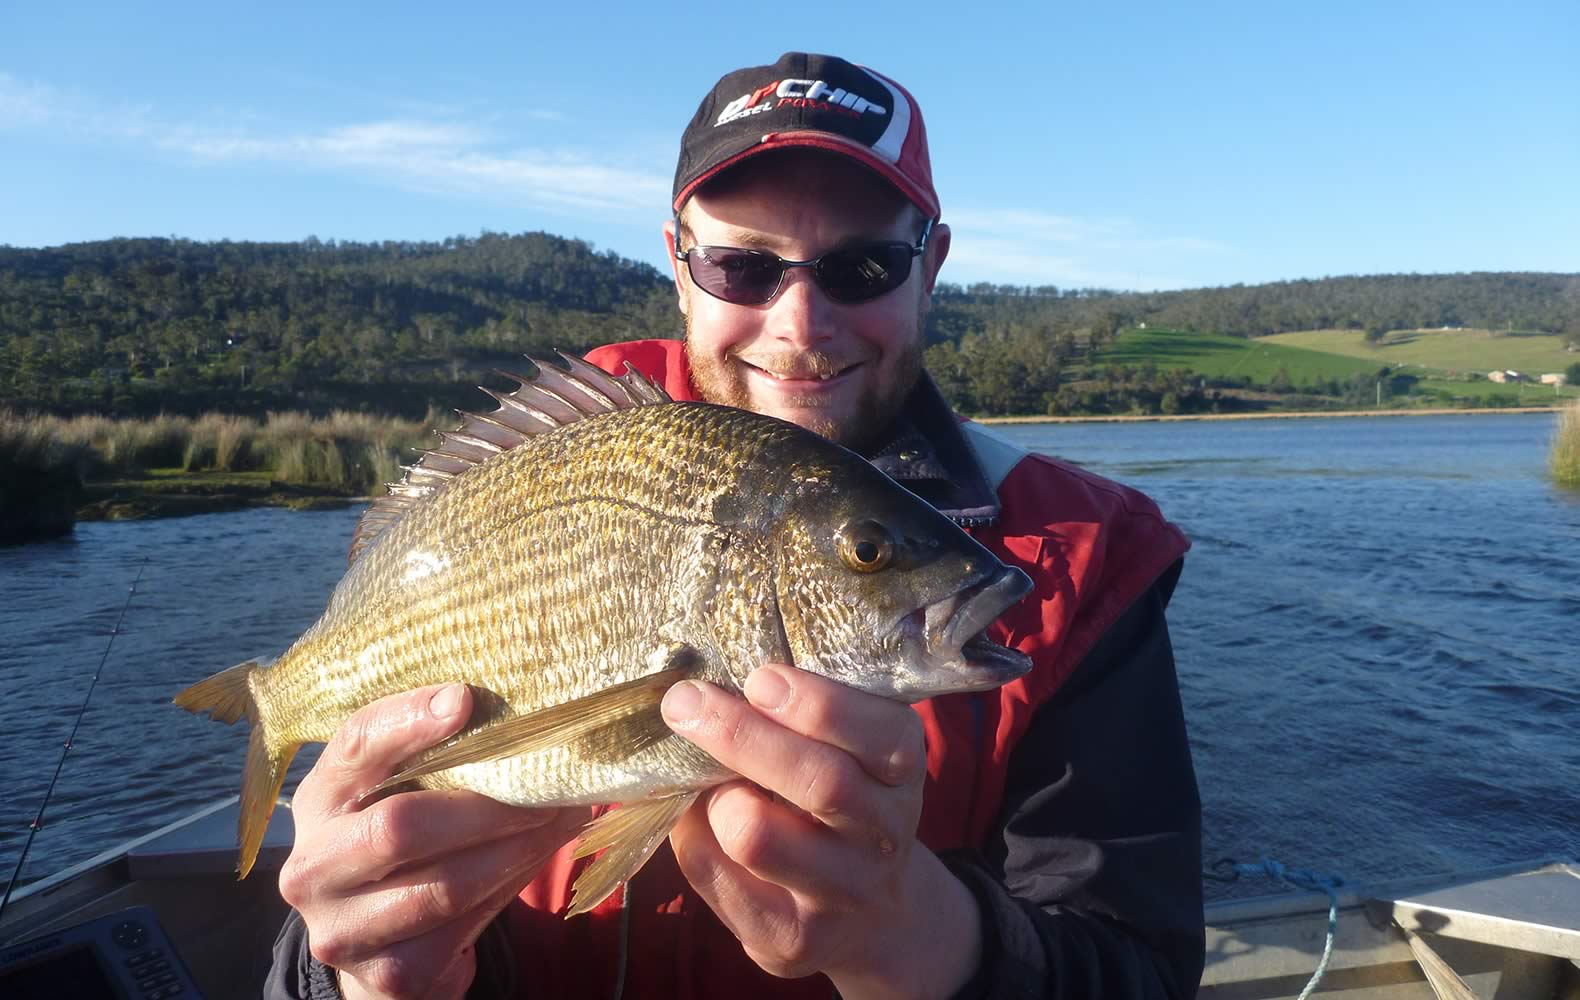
(1042, 839)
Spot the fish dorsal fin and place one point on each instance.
(544, 401)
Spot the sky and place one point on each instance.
(1130, 146)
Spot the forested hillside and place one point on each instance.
(142, 325)
(173, 324)
(1547, 303)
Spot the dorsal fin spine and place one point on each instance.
(541, 403)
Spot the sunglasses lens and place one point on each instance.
(745, 277)
(862, 273)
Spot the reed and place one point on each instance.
(220, 442)
(355, 451)
(41, 477)
(29, 442)
(1565, 458)
(344, 451)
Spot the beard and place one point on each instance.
(872, 422)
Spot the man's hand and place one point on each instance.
(395, 893)
(818, 869)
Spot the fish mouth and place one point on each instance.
(954, 630)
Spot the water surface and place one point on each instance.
(1376, 634)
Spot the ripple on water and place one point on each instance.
(1374, 635)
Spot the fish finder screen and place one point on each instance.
(75, 973)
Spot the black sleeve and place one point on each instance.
(297, 975)
(1090, 884)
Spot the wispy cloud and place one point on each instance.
(434, 155)
(23, 105)
(1044, 248)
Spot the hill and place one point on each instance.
(139, 326)
(1450, 351)
(1322, 367)
(1221, 357)
(147, 325)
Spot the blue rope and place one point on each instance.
(1304, 880)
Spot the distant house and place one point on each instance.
(1555, 378)
(1507, 375)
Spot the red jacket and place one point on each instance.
(1091, 547)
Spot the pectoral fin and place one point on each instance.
(632, 705)
(628, 836)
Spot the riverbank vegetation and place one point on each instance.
(344, 451)
(55, 470)
(1565, 458)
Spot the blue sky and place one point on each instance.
(1134, 145)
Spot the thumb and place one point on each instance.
(374, 742)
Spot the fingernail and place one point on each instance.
(767, 688)
(445, 702)
(682, 702)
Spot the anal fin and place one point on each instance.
(632, 704)
(628, 836)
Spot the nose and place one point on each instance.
(801, 315)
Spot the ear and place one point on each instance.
(676, 267)
(933, 260)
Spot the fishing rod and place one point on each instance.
(38, 821)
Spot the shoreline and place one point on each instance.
(1128, 418)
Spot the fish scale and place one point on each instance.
(576, 552)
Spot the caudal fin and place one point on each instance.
(227, 698)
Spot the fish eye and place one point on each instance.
(866, 546)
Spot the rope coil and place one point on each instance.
(1300, 879)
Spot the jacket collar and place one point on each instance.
(930, 456)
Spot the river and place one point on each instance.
(1378, 637)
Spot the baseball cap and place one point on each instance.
(809, 101)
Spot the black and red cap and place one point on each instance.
(809, 101)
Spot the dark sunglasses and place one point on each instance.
(847, 275)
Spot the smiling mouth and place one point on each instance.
(801, 376)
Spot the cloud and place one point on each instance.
(1037, 247)
(430, 155)
(23, 105)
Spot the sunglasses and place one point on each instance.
(848, 275)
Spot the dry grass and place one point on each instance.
(219, 441)
(349, 450)
(346, 451)
(1565, 459)
(28, 442)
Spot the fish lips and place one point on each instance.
(954, 630)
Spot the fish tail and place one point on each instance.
(227, 697)
(260, 787)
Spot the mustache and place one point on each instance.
(803, 363)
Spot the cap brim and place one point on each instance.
(814, 139)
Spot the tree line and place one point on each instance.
(146, 325)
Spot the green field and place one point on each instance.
(1458, 351)
(1443, 360)
(1484, 393)
(1215, 355)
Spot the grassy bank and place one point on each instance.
(1315, 368)
(54, 469)
(1566, 448)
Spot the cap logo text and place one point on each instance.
(798, 94)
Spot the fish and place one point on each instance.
(576, 551)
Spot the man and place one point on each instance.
(1040, 840)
